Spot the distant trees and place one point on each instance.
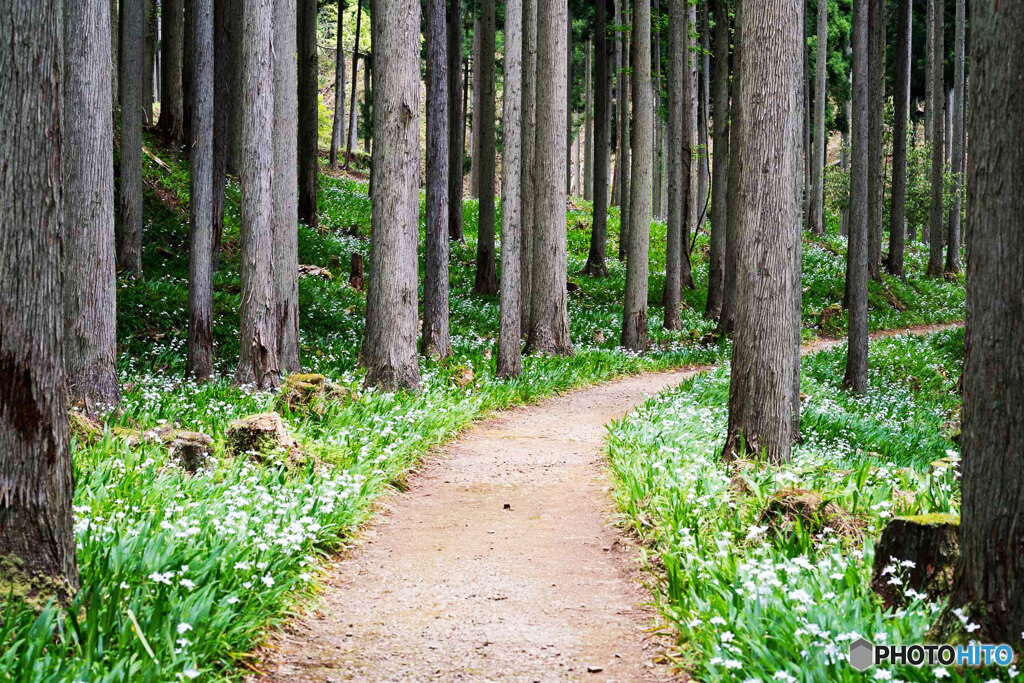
(876, 112)
(603, 58)
(129, 225)
(486, 270)
(456, 140)
(936, 105)
(622, 116)
(338, 126)
(528, 122)
(901, 105)
(308, 113)
(172, 44)
(958, 141)
(816, 203)
(720, 169)
(677, 181)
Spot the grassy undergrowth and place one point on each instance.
(183, 574)
(753, 599)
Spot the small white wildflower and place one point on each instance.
(268, 580)
(190, 673)
(718, 620)
(733, 664)
(187, 584)
(883, 675)
(940, 672)
(184, 628)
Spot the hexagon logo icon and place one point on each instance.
(862, 654)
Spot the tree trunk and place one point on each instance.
(901, 104)
(147, 63)
(353, 138)
(258, 335)
(659, 142)
(338, 129)
(720, 168)
(876, 113)
(703, 113)
(568, 103)
(129, 224)
(223, 65)
(856, 376)
(37, 546)
(527, 194)
(188, 57)
(509, 361)
(674, 247)
(816, 213)
(199, 363)
(368, 97)
(935, 104)
(928, 59)
(455, 115)
(90, 280)
(604, 52)
(588, 126)
(634, 315)
(172, 43)
(549, 316)
(990, 579)
(115, 54)
(435, 282)
(957, 133)
(764, 357)
(389, 344)
(622, 163)
(474, 175)
(234, 163)
(285, 184)
(730, 300)
(486, 275)
(308, 112)
(689, 163)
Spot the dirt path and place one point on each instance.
(498, 564)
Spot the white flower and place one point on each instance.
(187, 584)
(727, 637)
(718, 620)
(157, 577)
(971, 627)
(940, 672)
(883, 675)
(732, 664)
(268, 580)
(784, 676)
(184, 628)
(232, 600)
(190, 673)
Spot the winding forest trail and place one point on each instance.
(498, 563)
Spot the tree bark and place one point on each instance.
(90, 280)
(235, 12)
(285, 185)
(258, 334)
(308, 112)
(129, 235)
(727, 319)
(674, 248)
(720, 168)
(435, 282)
(856, 375)
(474, 175)
(172, 43)
(455, 116)
(568, 103)
(957, 142)
(588, 126)
(115, 53)
(764, 357)
(622, 163)
(199, 363)
(549, 316)
(816, 213)
(936, 234)
(486, 275)
(147, 63)
(529, 160)
(352, 137)
(901, 104)
(223, 67)
(604, 53)
(688, 161)
(659, 142)
(338, 128)
(876, 152)
(634, 315)
(990, 578)
(509, 361)
(389, 344)
(37, 545)
(703, 113)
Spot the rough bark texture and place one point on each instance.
(115, 53)
(129, 224)
(688, 161)
(474, 170)
(172, 44)
(389, 344)
(856, 376)
(990, 580)
(659, 128)
(435, 281)
(957, 142)
(930, 543)
(257, 343)
(529, 154)
(720, 167)
(549, 316)
(200, 289)
(936, 233)
(588, 126)
(37, 542)
(876, 112)
(353, 138)
(486, 272)
(223, 65)
(603, 58)
(147, 62)
(509, 361)
(816, 211)
(285, 182)
(89, 332)
(727, 319)
(338, 127)
(674, 248)
(455, 116)
(568, 103)
(634, 315)
(309, 112)
(901, 104)
(622, 161)
(703, 113)
(235, 12)
(761, 384)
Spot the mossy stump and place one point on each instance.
(792, 507)
(312, 393)
(264, 438)
(931, 543)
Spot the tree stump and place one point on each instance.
(263, 438)
(356, 277)
(918, 553)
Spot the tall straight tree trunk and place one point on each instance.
(258, 335)
(658, 129)
(527, 194)
(703, 112)
(486, 271)
(928, 59)
(285, 185)
(236, 11)
(474, 175)
(720, 168)
(957, 142)
(90, 280)
(147, 63)
(990, 579)
(622, 163)
(806, 102)
(389, 344)
(368, 96)
(309, 112)
(549, 316)
(338, 128)
(223, 66)
(674, 248)
(634, 316)
(604, 55)
(876, 113)
(730, 300)
(435, 282)
(764, 357)
(455, 115)
(816, 213)
(129, 235)
(509, 361)
(568, 103)
(37, 545)
(901, 105)
(689, 163)
(172, 44)
(115, 53)
(844, 160)
(856, 376)
(199, 364)
(188, 56)
(947, 151)
(936, 233)
(588, 126)
(352, 136)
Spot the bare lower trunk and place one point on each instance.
(338, 127)
(455, 115)
(509, 361)
(172, 43)
(622, 161)
(876, 112)
(588, 126)
(224, 56)
(474, 175)
(936, 233)
(674, 249)
(816, 213)
(147, 62)
(703, 113)
(689, 162)
(901, 104)
(727, 319)
(659, 142)
(720, 168)
(957, 143)
(129, 234)
(529, 155)
(308, 112)
(604, 55)
(352, 137)
(486, 274)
